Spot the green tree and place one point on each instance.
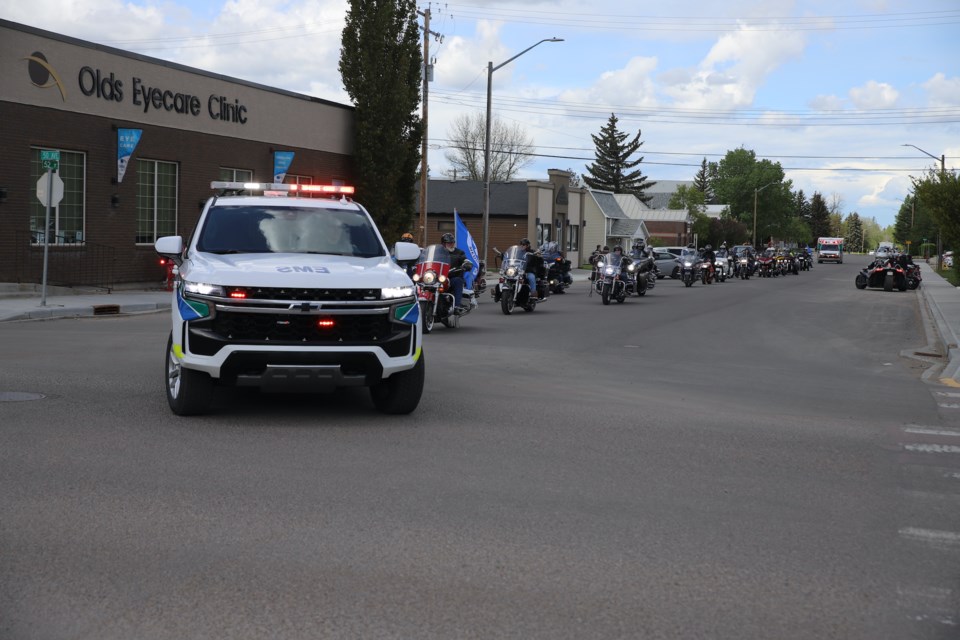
(701, 182)
(380, 65)
(611, 170)
(853, 239)
(913, 223)
(939, 192)
(819, 218)
(689, 198)
(741, 181)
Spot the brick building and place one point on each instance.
(139, 141)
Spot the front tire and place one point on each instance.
(506, 302)
(189, 392)
(400, 393)
(605, 294)
(426, 310)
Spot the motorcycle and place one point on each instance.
(914, 279)
(610, 282)
(803, 262)
(689, 263)
(708, 272)
(431, 275)
(744, 267)
(558, 268)
(513, 288)
(766, 265)
(886, 274)
(723, 266)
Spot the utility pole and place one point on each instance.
(427, 77)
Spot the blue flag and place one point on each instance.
(281, 163)
(127, 140)
(468, 246)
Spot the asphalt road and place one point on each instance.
(741, 460)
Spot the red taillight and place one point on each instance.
(238, 294)
(163, 261)
(325, 323)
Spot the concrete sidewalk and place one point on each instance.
(25, 302)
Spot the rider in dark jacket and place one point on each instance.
(458, 266)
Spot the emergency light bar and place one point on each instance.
(294, 189)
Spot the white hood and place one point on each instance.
(294, 270)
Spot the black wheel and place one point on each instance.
(903, 285)
(861, 282)
(506, 302)
(605, 294)
(189, 392)
(400, 393)
(888, 283)
(426, 310)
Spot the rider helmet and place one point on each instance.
(407, 237)
(708, 248)
(618, 248)
(690, 246)
(447, 238)
(524, 242)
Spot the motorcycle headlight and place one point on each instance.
(630, 268)
(609, 271)
(600, 265)
(391, 293)
(203, 289)
(510, 272)
(743, 261)
(429, 277)
(416, 277)
(688, 264)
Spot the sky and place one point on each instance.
(830, 90)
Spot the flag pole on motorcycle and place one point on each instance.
(466, 244)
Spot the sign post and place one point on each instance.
(49, 195)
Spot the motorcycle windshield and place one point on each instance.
(513, 258)
(434, 257)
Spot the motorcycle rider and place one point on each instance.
(458, 266)
(530, 275)
(708, 256)
(409, 266)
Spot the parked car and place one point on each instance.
(666, 263)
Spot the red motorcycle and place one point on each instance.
(432, 275)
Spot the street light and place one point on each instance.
(943, 171)
(942, 158)
(486, 142)
(756, 191)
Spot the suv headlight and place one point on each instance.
(203, 289)
(391, 293)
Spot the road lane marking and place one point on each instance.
(931, 536)
(932, 448)
(931, 432)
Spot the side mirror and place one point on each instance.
(170, 247)
(406, 251)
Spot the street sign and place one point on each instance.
(56, 192)
(50, 159)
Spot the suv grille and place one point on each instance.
(346, 329)
(307, 295)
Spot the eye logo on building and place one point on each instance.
(42, 74)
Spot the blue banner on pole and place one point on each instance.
(281, 162)
(127, 140)
(465, 242)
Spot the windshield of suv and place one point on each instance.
(266, 229)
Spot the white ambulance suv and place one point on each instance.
(293, 289)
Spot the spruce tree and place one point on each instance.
(701, 182)
(820, 225)
(380, 65)
(610, 171)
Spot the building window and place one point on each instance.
(156, 200)
(66, 218)
(573, 237)
(445, 226)
(543, 233)
(295, 179)
(235, 175)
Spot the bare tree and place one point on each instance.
(511, 148)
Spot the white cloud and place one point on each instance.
(632, 85)
(874, 95)
(737, 64)
(943, 91)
